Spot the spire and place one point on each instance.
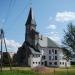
(30, 19)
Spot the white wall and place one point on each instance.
(59, 56)
(62, 61)
(35, 60)
(46, 53)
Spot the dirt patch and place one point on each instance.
(41, 69)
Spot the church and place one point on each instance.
(40, 50)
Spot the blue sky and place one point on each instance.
(52, 18)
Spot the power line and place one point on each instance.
(8, 11)
(21, 12)
(11, 5)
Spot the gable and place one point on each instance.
(47, 42)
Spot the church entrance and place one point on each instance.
(45, 63)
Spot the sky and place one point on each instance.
(52, 18)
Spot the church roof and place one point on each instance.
(30, 19)
(47, 42)
(51, 43)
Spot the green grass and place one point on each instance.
(18, 73)
(30, 72)
(73, 66)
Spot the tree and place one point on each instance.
(20, 56)
(6, 59)
(69, 37)
(67, 53)
(69, 43)
(67, 56)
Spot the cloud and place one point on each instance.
(51, 26)
(12, 45)
(65, 16)
(54, 33)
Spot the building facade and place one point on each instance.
(40, 50)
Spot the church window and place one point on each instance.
(43, 57)
(55, 63)
(39, 62)
(60, 62)
(42, 63)
(50, 63)
(55, 51)
(49, 57)
(33, 62)
(55, 57)
(63, 63)
(49, 51)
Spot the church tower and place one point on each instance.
(30, 45)
(31, 36)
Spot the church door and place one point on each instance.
(45, 63)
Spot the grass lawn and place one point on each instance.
(28, 71)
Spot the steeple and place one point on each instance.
(30, 19)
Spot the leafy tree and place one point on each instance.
(69, 43)
(6, 59)
(67, 53)
(67, 56)
(20, 56)
(69, 37)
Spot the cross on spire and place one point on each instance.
(30, 3)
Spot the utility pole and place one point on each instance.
(2, 39)
(1, 50)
